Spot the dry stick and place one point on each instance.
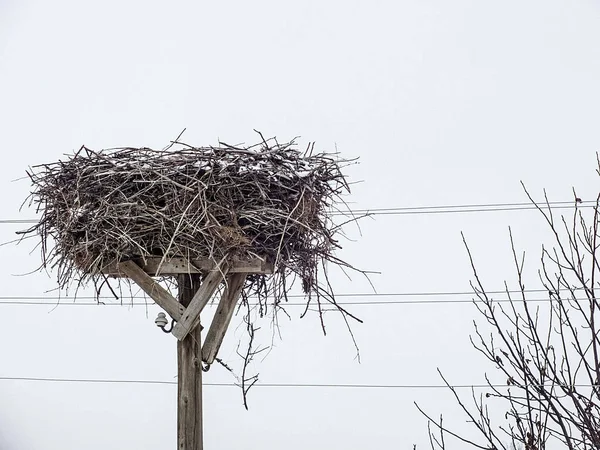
(248, 357)
(285, 227)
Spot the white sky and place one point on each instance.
(444, 103)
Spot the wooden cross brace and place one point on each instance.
(187, 318)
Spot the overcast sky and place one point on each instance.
(445, 103)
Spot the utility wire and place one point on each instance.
(110, 301)
(416, 210)
(467, 209)
(324, 305)
(477, 205)
(272, 385)
(346, 294)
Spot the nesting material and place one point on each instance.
(271, 200)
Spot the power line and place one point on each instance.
(416, 210)
(271, 385)
(110, 301)
(324, 305)
(569, 203)
(465, 209)
(343, 294)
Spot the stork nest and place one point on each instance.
(270, 200)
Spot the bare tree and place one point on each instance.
(548, 354)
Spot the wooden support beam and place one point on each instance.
(222, 318)
(192, 312)
(154, 290)
(176, 265)
(189, 375)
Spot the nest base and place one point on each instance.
(157, 267)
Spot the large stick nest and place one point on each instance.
(270, 200)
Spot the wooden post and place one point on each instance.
(194, 307)
(189, 373)
(223, 315)
(193, 297)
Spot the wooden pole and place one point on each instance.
(193, 296)
(189, 374)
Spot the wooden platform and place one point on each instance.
(176, 266)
